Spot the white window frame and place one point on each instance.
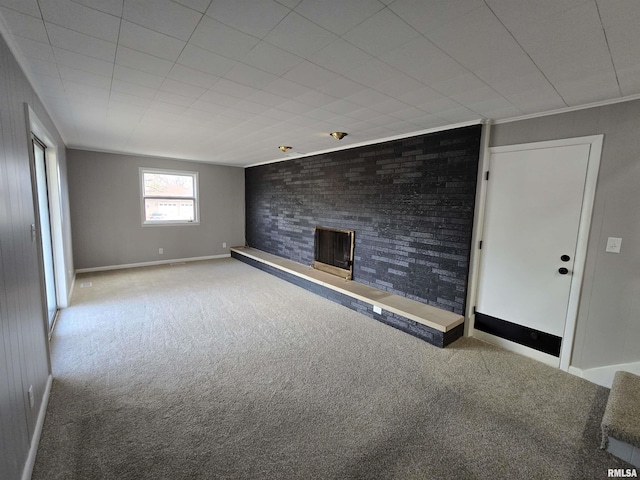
(195, 198)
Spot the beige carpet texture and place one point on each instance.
(217, 370)
(621, 419)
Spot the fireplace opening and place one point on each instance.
(334, 251)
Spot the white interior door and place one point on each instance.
(532, 219)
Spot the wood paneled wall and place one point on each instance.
(24, 355)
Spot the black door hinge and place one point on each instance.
(480, 245)
(486, 176)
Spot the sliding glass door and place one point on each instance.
(42, 190)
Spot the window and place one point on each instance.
(168, 196)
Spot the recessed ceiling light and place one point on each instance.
(338, 135)
(284, 148)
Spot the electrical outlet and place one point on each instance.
(613, 245)
(161, 251)
(224, 244)
(32, 400)
(377, 309)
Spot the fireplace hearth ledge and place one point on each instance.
(447, 324)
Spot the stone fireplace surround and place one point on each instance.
(410, 202)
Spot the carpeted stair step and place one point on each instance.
(621, 419)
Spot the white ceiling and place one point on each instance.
(227, 81)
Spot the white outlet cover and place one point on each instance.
(377, 309)
(613, 245)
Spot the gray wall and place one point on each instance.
(24, 354)
(104, 189)
(608, 328)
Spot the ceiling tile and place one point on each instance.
(185, 89)
(113, 7)
(133, 89)
(381, 33)
(81, 19)
(271, 59)
(422, 95)
(315, 98)
(285, 88)
(85, 78)
(438, 14)
(41, 67)
(190, 76)
(342, 107)
(437, 106)
(163, 16)
(400, 85)
(251, 107)
(429, 121)
(249, 76)
(523, 11)
(80, 92)
(338, 16)
(82, 62)
(390, 106)
(148, 41)
(341, 87)
(266, 98)
(174, 99)
(30, 7)
(213, 106)
(157, 106)
(615, 13)
(80, 43)
(235, 89)
(198, 5)
(480, 42)
(299, 36)
(219, 38)
(25, 25)
(138, 77)
(321, 114)
(572, 51)
(625, 45)
(368, 97)
(51, 85)
(457, 115)
(340, 57)
(293, 106)
(372, 73)
(409, 113)
(265, 14)
(289, 3)
(205, 61)
(309, 75)
(423, 61)
(32, 49)
(141, 61)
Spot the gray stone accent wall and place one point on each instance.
(410, 202)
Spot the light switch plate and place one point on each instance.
(613, 244)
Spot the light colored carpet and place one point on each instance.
(217, 370)
(621, 419)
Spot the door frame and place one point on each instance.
(595, 143)
(36, 127)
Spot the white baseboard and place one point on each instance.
(149, 264)
(35, 440)
(517, 348)
(604, 375)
